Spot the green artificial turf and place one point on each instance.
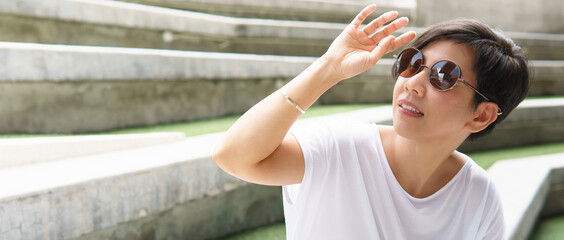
(271, 232)
(549, 229)
(487, 158)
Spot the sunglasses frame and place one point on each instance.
(397, 74)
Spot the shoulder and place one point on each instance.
(336, 127)
(327, 137)
(478, 174)
(483, 192)
(479, 182)
(473, 171)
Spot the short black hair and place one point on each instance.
(500, 65)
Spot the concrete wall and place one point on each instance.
(298, 10)
(90, 106)
(554, 203)
(243, 208)
(542, 16)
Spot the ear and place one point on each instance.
(483, 116)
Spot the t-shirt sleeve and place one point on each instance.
(315, 140)
(323, 143)
(492, 225)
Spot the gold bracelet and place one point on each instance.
(292, 101)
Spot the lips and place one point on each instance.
(410, 108)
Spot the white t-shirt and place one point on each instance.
(349, 192)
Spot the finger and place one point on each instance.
(401, 40)
(380, 21)
(382, 48)
(362, 15)
(389, 29)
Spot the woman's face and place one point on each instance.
(422, 112)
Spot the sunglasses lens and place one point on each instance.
(409, 62)
(444, 75)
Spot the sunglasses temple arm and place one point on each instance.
(499, 112)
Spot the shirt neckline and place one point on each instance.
(467, 164)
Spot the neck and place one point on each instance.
(424, 166)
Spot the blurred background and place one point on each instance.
(109, 110)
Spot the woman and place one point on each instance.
(345, 180)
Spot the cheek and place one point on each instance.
(452, 107)
(398, 86)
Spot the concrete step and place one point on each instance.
(122, 87)
(171, 191)
(529, 188)
(119, 24)
(297, 10)
(543, 16)
(23, 151)
(176, 191)
(534, 121)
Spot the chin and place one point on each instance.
(403, 132)
(410, 130)
(406, 130)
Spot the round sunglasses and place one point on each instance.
(443, 75)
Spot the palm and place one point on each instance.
(356, 53)
(355, 50)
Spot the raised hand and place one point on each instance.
(357, 49)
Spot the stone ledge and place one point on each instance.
(534, 121)
(24, 151)
(524, 186)
(538, 110)
(140, 16)
(56, 63)
(302, 10)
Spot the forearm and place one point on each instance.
(262, 128)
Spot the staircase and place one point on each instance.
(83, 66)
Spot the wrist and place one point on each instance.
(326, 69)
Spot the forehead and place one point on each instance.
(460, 54)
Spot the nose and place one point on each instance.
(418, 82)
